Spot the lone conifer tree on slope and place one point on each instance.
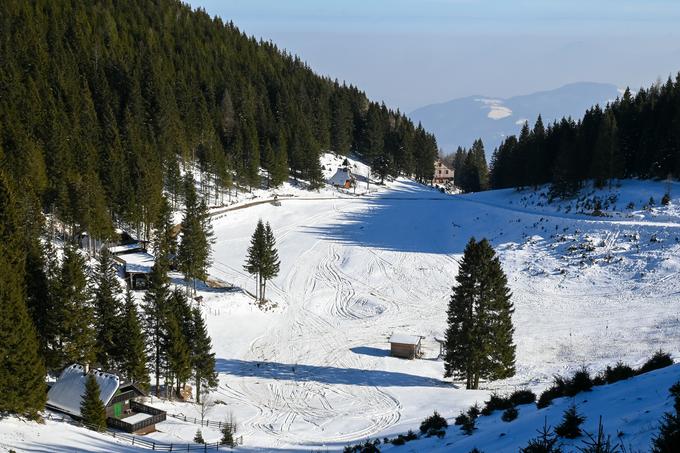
(255, 256)
(92, 408)
(270, 260)
(479, 335)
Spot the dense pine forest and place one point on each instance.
(637, 135)
(104, 103)
(110, 112)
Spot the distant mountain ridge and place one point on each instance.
(460, 121)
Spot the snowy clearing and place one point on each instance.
(313, 371)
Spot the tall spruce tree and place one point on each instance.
(341, 124)
(38, 280)
(269, 162)
(77, 336)
(270, 263)
(479, 334)
(92, 408)
(475, 173)
(605, 164)
(154, 309)
(132, 344)
(381, 166)
(108, 310)
(279, 171)
(256, 252)
(22, 372)
(202, 357)
(458, 166)
(178, 353)
(164, 240)
(194, 250)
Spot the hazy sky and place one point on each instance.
(416, 52)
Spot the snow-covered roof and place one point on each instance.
(137, 418)
(137, 263)
(403, 338)
(341, 176)
(66, 394)
(127, 248)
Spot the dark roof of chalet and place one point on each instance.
(137, 262)
(66, 393)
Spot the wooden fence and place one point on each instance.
(198, 421)
(142, 442)
(159, 446)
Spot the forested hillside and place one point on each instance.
(635, 136)
(102, 103)
(106, 109)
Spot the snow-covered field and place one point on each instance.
(316, 371)
(312, 371)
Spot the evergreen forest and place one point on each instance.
(635, 136)
(105, 104)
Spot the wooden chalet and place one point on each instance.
(134, 265)
(442, 174)
(405, 346)
(123, 411)
(342, 178)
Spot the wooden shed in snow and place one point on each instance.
(405, 346)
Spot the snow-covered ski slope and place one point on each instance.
(313, 372)
(316, 370)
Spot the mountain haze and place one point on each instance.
(460, 121)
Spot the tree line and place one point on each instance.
(637, 135)
(104, 103)
(470, 170)
(55, 311)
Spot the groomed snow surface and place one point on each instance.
(313, 372)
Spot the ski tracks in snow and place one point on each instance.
(323, 309)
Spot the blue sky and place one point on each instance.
(410, 53)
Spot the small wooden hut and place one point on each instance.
(405, 346)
